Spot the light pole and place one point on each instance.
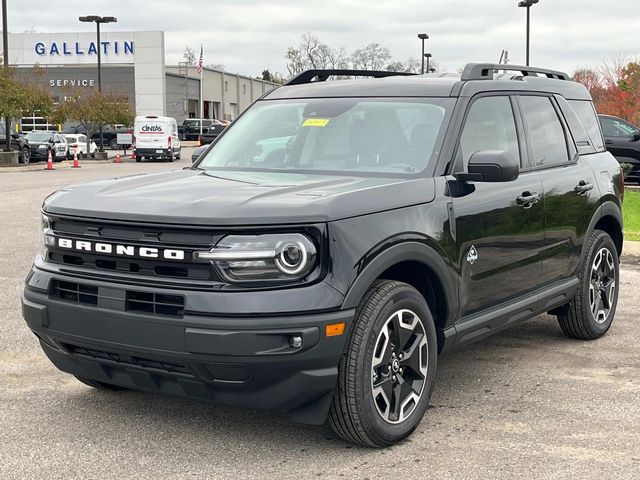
(98, 20)
(5, 57)
(423, 37)
(528, 4)
(428, 57)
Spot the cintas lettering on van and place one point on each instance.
(156, 138)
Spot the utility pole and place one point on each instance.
(423, 37)
(528, 4)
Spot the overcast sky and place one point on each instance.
(249, 35)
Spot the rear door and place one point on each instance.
(568, 184)
(152, 134)
(498, 226)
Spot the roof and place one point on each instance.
(473, 80)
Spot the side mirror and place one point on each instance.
(491, 166)
(635, 137)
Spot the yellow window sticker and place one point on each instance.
(315, 122)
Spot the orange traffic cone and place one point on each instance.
(75, 159)
(133, 152)
(118, 160)
(49, 162)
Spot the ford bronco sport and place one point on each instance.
(335, 240)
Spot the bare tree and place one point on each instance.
(189, 55)
(370, 57)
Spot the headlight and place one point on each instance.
(244, 258)
(47, 238)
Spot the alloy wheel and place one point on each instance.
(399, 366)
(602, 285)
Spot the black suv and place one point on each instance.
(18, 144)
(319, 273)
(623, 141)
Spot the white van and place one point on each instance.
(156, 137)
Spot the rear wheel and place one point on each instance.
(100, 385)
(113, 144)
(591, 312)
(138, 158)
(386, 373)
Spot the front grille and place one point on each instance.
(74, 292)
(187, 239)
(155, 303)
(124, 300)
(146, 363)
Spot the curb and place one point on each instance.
(63, 165)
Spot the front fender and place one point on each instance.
(402, 252)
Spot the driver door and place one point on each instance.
(499, 227)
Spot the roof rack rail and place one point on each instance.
(485, 71)
(309, 76)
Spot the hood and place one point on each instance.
(197, 197)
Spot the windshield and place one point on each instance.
(359, 135)
(39, 137)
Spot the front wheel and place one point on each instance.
(25, 156)
(590, 313)
(386, 374)
(113, 144)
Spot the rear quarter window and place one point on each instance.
(587, 115)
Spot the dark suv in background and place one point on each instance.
(333, 241)
(18, 144)
(623, 141)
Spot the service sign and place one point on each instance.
(124, 138)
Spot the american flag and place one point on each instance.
(200, 60)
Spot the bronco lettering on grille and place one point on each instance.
(122, 250)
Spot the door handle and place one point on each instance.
(583, 187)
(528, 199)
(608, 142)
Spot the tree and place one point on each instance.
(20, 96)
(370, 57)
(267, 76)
(93, 110)
(311, 53)
(189, 55)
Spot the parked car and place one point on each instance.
(211, 133)
(622, 139)
(156, 137)
(190, 128)
(109, 135)
(407, 216)
(78, 143)
(19, 143)
(41, 143)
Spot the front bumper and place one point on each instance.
(244, 361)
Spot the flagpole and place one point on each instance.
(201, 68)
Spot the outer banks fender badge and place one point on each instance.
(472, 256)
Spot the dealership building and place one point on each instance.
(133, 65)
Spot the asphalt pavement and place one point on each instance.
(527, 403)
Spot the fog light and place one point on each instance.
(295, 341)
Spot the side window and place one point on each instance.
(587, 115)
(616, 128)
(490, 125)
(545, 135)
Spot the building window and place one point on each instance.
(244, 89)
(226, 86)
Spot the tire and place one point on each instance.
(138, 158)
(599, 277)
(362, 410)
(25, 156)
(80, 155)
(113, 144)
(100, 385)
(93, 155)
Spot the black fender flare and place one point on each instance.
(402, 252)
(607, 209)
